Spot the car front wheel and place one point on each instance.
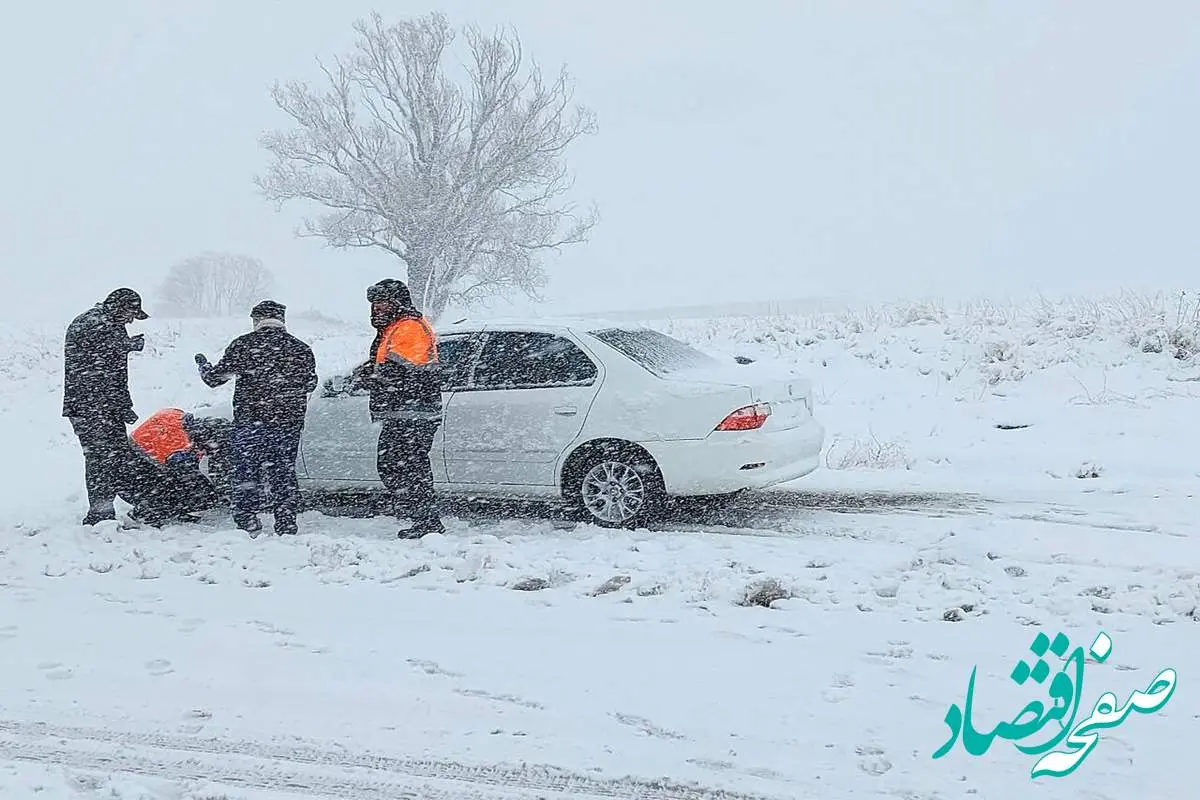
(616, 488)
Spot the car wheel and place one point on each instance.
(615, 488)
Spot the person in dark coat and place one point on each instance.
(406, 396)
(97, 401)
(276, 373)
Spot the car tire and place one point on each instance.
(614, 486)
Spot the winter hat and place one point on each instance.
(390, 290)
(126, 299)
(268, 309)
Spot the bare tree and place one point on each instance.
(215, 285)
(462, 181)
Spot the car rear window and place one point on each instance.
(655, 351)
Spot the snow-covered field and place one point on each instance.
(992, 472)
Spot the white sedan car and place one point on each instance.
(612, 419)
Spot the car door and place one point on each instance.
(457, 353)
(525, 402)
(340, 440)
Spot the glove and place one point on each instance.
(131, 417)
(360, 375)
(201, 360)
(137, 343)
(183, 459)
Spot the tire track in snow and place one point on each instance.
(317, 772)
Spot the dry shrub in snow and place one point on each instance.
(1000, 362)
(866, 453)
(763, 593)
(1159, 323)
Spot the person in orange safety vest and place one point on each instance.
(406, 397)
(163, 435)
(177, 441)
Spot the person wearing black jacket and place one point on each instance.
(276, 373)
(406, 396)
(96, 398)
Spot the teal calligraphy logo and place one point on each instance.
(1064, 689)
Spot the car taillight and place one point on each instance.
(748, 418)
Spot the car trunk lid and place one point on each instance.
(788, 394)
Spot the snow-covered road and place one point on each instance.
(343, 663)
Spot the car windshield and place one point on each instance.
(655, 351)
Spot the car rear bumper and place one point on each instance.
(727, 462)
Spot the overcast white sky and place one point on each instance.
(895, 148)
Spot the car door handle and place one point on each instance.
(566, 411)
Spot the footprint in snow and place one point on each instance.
(646, 726)
(432, 668)
(511, 699)
(895, 650)
(159, 667)
(871, 760)
(839, 688)
(56, 671)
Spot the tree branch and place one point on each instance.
(460, 178)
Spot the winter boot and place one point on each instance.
(422, 528)
(98, 514)
(147, 515)
(285, 525)
(249, 523)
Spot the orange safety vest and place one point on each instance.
(162, 435)
(411, 339)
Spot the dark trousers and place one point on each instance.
(178, 489)
(403, 461)
(110, 462)
(264, 454)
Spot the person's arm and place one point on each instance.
(310, 365)
(108, 348)
(361, 376)
(228, 367)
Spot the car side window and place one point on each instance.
(528, 359)
(455, 354)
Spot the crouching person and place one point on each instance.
(275, 373)
(176, 442)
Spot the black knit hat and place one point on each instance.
(268, 309)
(390, 290)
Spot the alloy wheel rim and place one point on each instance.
(613, 492)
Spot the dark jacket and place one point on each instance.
(96, 367)
(275, 372)
(400, 388)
